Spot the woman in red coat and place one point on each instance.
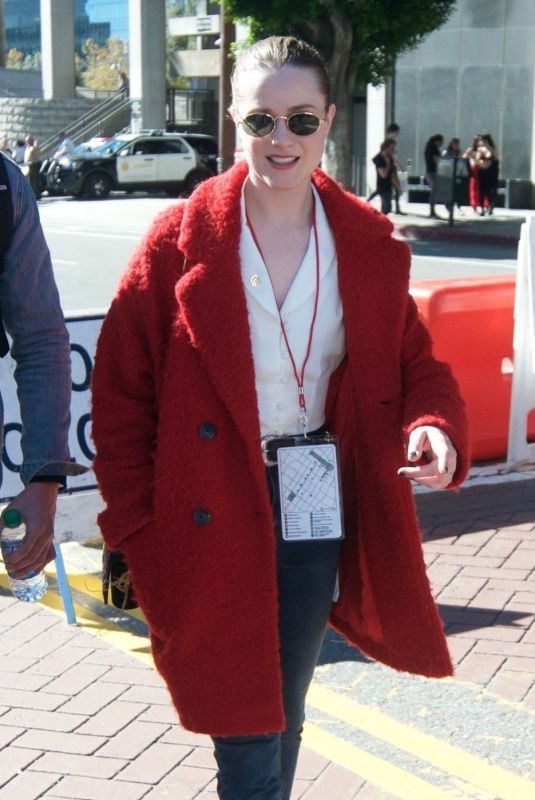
(259, 320)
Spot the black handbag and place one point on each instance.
(116, 583)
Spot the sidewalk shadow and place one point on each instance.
(456, 619)
(473, 618)
(476, 508)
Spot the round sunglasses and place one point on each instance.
(302, 123)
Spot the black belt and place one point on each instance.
(271, 444)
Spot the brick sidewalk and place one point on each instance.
(480, 551)
(81, 720)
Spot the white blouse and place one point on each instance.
(276, 385)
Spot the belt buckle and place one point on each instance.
(270, 445)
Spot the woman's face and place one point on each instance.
(282, 159)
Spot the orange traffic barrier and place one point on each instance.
(471, 322)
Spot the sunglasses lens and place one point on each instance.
(258, 124)
(303, 124)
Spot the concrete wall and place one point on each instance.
(197, 63)
(474, 75)
(41, 118)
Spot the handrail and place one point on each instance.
(92, 119)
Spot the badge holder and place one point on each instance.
(310, 488)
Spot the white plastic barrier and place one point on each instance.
(519, 450)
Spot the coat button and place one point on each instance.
(207, 431)
(201, 517)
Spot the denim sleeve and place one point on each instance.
(33, 318)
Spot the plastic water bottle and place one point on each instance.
(34, 585)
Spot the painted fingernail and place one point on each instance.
(446, 469)
(413, 453)
(402, 474)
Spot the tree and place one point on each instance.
(100, 65)
(359, 40)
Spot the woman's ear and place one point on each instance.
(329, 116)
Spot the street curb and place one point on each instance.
(412, 233)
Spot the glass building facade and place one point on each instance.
(94, 19)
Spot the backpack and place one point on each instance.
(6, 230)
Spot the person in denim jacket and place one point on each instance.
(32, 316)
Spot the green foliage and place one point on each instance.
(181, 8)
(381, 29)
(99, 66)
(15, 59)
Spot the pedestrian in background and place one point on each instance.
(65, 146)
(384, 167)
(471, 157)
(488, 163)
(32, 161)
(453, 149)
(392, 133)
(4, 147)
(432, 155)
(260, 319)
(32, 316)
(17, 154)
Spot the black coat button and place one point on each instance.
(207, 430)
(201, 517)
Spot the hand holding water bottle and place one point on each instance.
(36, 505)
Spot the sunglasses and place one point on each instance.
(302, 123)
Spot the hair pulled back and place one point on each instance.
(277, 52)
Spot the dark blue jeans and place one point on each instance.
(263, 767)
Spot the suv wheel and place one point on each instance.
(97, 186)
(194, 178)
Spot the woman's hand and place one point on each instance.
(436, 447)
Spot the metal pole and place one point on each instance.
(453, 192)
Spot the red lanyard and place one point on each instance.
(299, 376)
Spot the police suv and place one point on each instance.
(148, 161)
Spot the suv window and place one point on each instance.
(174, 146)
(144, 147)
(159, 146)
(204, 146)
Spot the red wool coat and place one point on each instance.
(178, 458)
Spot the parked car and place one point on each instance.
(147, 161)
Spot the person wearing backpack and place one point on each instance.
(31, 314)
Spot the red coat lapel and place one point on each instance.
(212, 299)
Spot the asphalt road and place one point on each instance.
(91, 242)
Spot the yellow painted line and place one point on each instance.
(388, 777)
(450, 759)
(114, 635)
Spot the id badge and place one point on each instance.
(310, 492)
